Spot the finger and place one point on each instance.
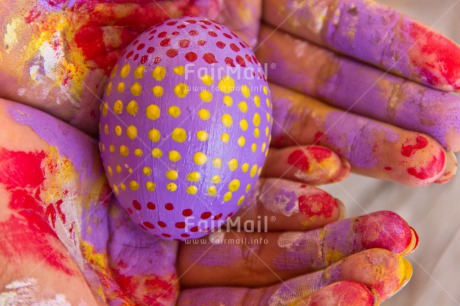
(373, 148)
(360, 88)
(340, 293)
(260, 259)
(242, 17)
(372, 33)
(282, 205)
(451, 168)
(314, 165)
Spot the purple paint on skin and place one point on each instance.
(290, 196)
(57, 133)
(392, 99)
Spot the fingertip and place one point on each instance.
(413, 243)
(344, 171)
(344, 293)
(450, 170)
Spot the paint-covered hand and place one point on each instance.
(56, 55)
(365, 81)
(65, 240)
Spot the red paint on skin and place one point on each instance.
(388, 168)
(439, 56)
(317, 204)
(26, 232)
(299, 160)
(319, 153)
(348, 293)
(409, 150)
(384, 229)
(318, 137)
(432, 169)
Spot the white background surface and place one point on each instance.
(433, 211)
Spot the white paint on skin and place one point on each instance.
(277, 199)
(216, 237)
(11, 38)
(290, 240)
(26, 292)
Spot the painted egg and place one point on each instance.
(185, 127)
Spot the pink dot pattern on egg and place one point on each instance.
(183, 147)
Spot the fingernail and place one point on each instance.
(451, 169)
(413, 243)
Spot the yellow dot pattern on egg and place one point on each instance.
(133, 185)
(228, 101)
(159, 73)
(106, 129)
(172, 175)
(122, 187)
(136, 89)
(245, 91)
(225, 138)
(240, 200)
(256, 119)
(154, 135)
(234, 185)
(150, 186)
(263, 147)
(243, 106)
(226, 84)
(131, 132)
(124, 151)
(206, 96)
(265, 88)
(256, 133)
(268, 117)
(217, 163)
(244, 124)
(212, 191)
(248, 188)
(267, 102)
(139, 72)
(202, 135)
(245, 167)
(227, 120)
(191, 190)
(157, 153)
(174, 156)
(121, 87)
(259, 171)
(130, 170)
(118, 107)
(105, 109)
(207, 80)
(179, 135)
(181, 90)
(204, 114)
(193, 177)
(174, 111)
(138, 152)
(118, 130)
(171, 187)
(241, 141)
(147, 171)
(179, 70)
(102, 147)
(124, 72)
(109, 170)
(254, 147)
(118, 168)
(257, 100)
(267, 131)
(108, 90)
(153, 112)
(112, 148)
(253, 171)
(200, 158)
(227, 196)
(132, 108)
(115, 189)
(158, 91)
(215, 179)
(233, 164)
(114, 71)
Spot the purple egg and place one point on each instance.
(185, 127)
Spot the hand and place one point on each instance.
(388, 117)
(65, 239)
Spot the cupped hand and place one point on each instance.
(64, 238)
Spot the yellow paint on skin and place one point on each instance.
(97, 259)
